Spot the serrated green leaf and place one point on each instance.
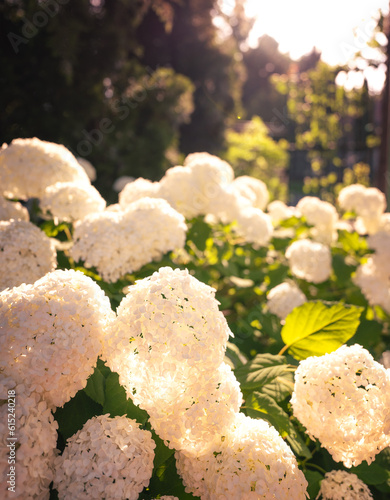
(316, 328)
(268, 374)
(73, 415)
(368, 333)
(115, 399)
(371, 474)
(314, 479)
(199, 232)
(161, 452)
(234, 357)
(258, 405)
(96, 386)
(136, 413)
(166, 481)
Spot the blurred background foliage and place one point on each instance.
(135, 85)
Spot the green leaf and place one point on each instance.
(96, 386)
(115, 399)
(368, 333)
(316, 328)
(73, 415)
(352, 243)
(234, 357)
(135, 412)
(199, 233)
(166, 481)
(161, 452)
(314, 479)
(371, 474)
(268, 374)
(258, 405)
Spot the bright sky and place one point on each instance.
(338, 28)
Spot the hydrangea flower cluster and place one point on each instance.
(28, 166)
(197, 187)
(167, 497)
(322, 215)
(283, 298)
(205, 185)
(209, 404)
(107, 458)
(309, 260)
(69, 202)
(52, 333)
(173, 365)
(26, 253)
(117, 242)
(279, 211)
(90, 170)
(140, 188)
(373, 279)
(250, 461)
(342, 485)
(373, 276)
(12, 210)
(254, 226)
(368, 203)
(254, 189)
(35, 447)
(343, 399)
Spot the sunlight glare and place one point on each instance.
(338, 28)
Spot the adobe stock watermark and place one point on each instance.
(279, 122)
(31, 27)
(122, 107)
(363, 35)
(11, 441)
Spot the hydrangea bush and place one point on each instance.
(195, 340)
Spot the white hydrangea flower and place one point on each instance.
(209, 404)
(372, 204)
(108, 458)
(34, 449)
(176, 331)
(309, 260)
(69, 202)
(283, 298)
(384, 224)
(322, 215)
(250, 461)
(120, 242)
(90, 170)
(53, 332)
(343, 399)
(342, 485)
(253, 189)
(351, 197)
(279, 211)
(167, 497)
(12, 210)
(140, 188)
(385, 359)
(380, 242)
(373, 279)
(368, 203)
(28, 166)
(121, 182)
(199, 186)
(26, 253)
(368, 225)
(254, 226)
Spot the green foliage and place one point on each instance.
(242, 276)
(251, 151)
(317, 328)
